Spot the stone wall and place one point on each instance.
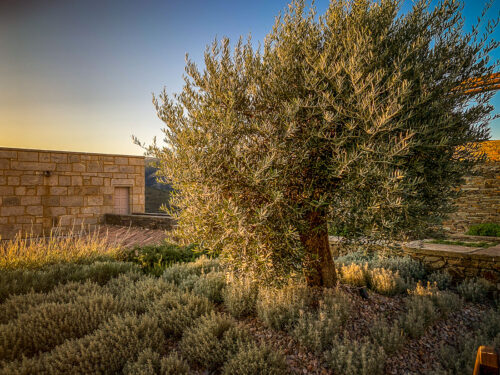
(480, 202)
(42, 189)
(150, 221)
(459, 265)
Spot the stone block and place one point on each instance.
(111, 168)
(121, 160)
(58, 190)
(55, 211)
(34, 210)
(126, 169)
(8, 154)
(97, 181)
(71, 200)
(78, 167)
(27, 156)
(94, 166)
(73, 158)
(96, 200)
(28, 180)
(60, 167)
(76, 180)
(50, 201)
(31, 200)
(6, 190)
(65, 180)
(20, 190)
(11, 210)
(44, 157)
(4, 163)
(13, 180)
(136, 161)
(11, 201)
(59, 157)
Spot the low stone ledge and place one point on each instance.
(141, 220)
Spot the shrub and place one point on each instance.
(315, 329)
(279, 308)
(485, 229)
(255, 359)
(474, 289)
(150, 362)
(350, 357)
(105, 351)
(389, 336)
(357, 257)
(139, 296)
(181, 271)
(154, 259)
(178, 311)
(459, 359)
(442, 279)
(173, 365)
(211, 285)
(419, 315)
(45, 279)
(16, 304)
(43, 327)
(75, 246)
(354, 274)
(240, 295)
(212, 340)
(385, 281)
(407, 267)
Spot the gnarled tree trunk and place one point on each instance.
(319, 265)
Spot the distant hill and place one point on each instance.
(156, 193)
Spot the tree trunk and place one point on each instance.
(319, 265)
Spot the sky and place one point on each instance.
(78, 75)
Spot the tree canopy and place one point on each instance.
(352, 117)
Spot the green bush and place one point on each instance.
(64, 293)
(407, 267)
(279, 308)
(420, 313)
(45, 326)
(45, 279)
(485, 229)
(390, 336)
(240, 295)
(150, 362)
(315, 329)
(350, 357)
(256, 359)
(210, 285)
(179, 272)
(154, 259)
(178, 311)
(474, 289)
(442, 279)
(213, 340)
(105, 351)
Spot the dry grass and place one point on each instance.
(27, 252)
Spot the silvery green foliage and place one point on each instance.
(240, 295)
(354, 117)
(474, 289)
(315, 329)
(213, 340)
(442, 279)
(150, 362)
(351, 357)
(388, 335)
(256, 359)
(180, 272)
(105, 351)
(45, 279)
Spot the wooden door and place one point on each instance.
(122, 200)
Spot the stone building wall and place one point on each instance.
(43, 189)
(480, 202)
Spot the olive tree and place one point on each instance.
(356, 117)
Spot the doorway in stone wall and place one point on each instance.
(122, 200)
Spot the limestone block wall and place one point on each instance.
(480, 202)
(43, 189)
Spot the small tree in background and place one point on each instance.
(352, 118)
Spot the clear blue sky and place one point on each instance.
(78, 74)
